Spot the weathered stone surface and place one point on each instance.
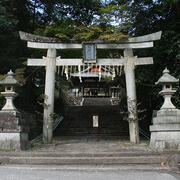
(167, 78)
(129, 68)
(9, 121)
(13, 130)
(49, 94)
(165, 127)
(79, 46)
(102, 62)
(18, 141)
(31, 37)
(165, 140)
(53, 45)
(170, 116)
(9, 80)
(165, 131)
(146, 38)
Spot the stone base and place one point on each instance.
(165, 140)
(13, 130)
(165, 131)
(18, 141)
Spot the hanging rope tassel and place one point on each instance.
(114, 73)
(100, 73)
(79, 69)
(105, 68)
(88, 68)
(58, 70)
(121, 70)
(117, 70)
(66, 72)
(70, 71)
(62, 71)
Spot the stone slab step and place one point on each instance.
(82, 160)
(97, 101)
(91, 168)
(123, 153)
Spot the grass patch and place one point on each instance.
(6, 149)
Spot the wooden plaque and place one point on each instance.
(89, 53)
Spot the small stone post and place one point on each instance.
(49, 96)
(129, 66)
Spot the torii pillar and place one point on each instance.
(49, 96)
(129, 66)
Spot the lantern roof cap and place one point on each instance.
(9, 79)
(166, 78)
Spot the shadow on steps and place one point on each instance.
(78, 120)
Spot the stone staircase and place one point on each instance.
(97, 101)
(78, 120)
(144, 161)
(86, 158)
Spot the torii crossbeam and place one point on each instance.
(129, 61)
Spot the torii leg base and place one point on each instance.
(48, 131)
(134, 131)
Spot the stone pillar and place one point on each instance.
(49, 96)
(129, 66)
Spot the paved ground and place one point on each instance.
(50, 173)
(91, 145)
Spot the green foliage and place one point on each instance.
(6, 150)
(61, 30)
(7, 21)
(97, 32)
(113, 37)
(67, 31)
(170, 1)
(19, 73)
(87, 33)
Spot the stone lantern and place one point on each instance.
(13, 129)
(165, 131)
(167, 91)
(9, 82)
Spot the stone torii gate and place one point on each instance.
(129, 61)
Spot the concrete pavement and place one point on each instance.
(17, 172)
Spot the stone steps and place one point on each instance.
(93, 168)
(97, 101)
(100, 132)
(79, 121)
(84, 159)
(66, 161)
